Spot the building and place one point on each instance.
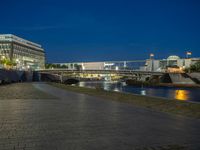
(92, 65)
(89, 65)
(26, 54)
(171, 64)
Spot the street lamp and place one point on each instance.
(116, 68)
(152, 62)
(17, 63)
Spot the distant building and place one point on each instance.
(171, 64)
(92, 66)
(26, 54)
(88, 65)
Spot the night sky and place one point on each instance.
(100, 30)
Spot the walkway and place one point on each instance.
(61, 120)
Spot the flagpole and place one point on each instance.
(188, 53)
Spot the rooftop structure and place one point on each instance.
(173, 57)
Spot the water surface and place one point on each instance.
(184, 94)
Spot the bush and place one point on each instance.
(194, 68)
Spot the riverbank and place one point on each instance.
(179, 85)
(176, 107)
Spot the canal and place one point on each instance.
(184, 94)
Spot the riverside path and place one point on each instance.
(38, 116)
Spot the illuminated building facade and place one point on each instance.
(171, 64)
(26, 54)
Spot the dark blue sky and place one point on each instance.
(97, 30)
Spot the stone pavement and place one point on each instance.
(48, 118)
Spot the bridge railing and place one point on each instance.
(107, 71)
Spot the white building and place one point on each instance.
(92, 66)
(172, 64)
(88, 65)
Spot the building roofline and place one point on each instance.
(15, 38)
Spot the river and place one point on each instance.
(183, 94)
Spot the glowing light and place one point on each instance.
(83, 67)
(181, 95)
(116, 90)
(151, 55)
(143, 92)
(116, 68)
(108, 64)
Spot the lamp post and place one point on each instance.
(124, 65)
(151, 60)
(188, 53)
(17, 63)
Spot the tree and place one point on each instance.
(9, 64)
(194, 68)
(3, 61)
(50, 66)
(64, 66)
(47, 66)
(77, 67)
(71, 66)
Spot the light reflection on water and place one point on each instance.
(186, 94)
(143, 92)
(181, 95)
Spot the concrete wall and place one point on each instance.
(9, 76)
(178, 78)
(195, 75)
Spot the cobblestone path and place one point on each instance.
(37, 116)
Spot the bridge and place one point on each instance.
(107, 71)
(63, 74)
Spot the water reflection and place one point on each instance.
(191, 94)
(116, 89)
(81, 84)
(106, 86)
(143, 92)
(181, 95)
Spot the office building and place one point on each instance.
(26, 54)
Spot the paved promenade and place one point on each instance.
(41, 117)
